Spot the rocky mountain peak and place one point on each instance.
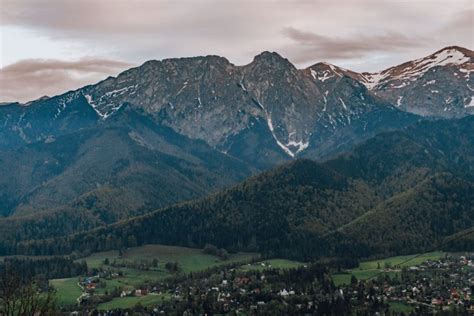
(454, 50)
(294, 112)
(271, 59)
(412, 70)
(324, 71)
(436, 85)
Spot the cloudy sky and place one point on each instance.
(49, 46)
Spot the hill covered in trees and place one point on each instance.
(95, 176)
(399, 192)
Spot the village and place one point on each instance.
(434, 286)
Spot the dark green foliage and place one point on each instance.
(396, 193)
(413, 221)
(462, 241)
(22, 296)
(213, 250)
(46, 268)
(98, 176)
(172, 267)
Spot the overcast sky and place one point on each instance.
(49, 46)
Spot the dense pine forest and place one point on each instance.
(400, 192)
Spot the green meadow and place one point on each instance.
(373, 268)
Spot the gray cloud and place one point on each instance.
(364, 35)
(461, 21)
(310, 45)
(29, 79)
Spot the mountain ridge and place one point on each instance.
(305, 209)
(184, 121)
(221, 98)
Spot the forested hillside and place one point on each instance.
(415, 220)
(400, 192)
(125, 167)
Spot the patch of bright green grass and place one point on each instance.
(67, 290)
(345, 278)
(189, 259)
(373, 268)
(342, 278)
(96, 260)
(272, 264)
(131, 279)
(402, 261)
(131, 301)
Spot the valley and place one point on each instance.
(195, 186)
(112, 274)
(111, 283)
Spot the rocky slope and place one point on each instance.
(438, 85)
(210, 99)
(126, 165)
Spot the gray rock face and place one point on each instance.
(211, 99)
(438, 85)
(263, 112)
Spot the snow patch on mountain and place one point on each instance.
(118, 91)
(325, 76)
(185, 84)
(94, 106)
(300, 145)
(343, 103)
(372, 80)
(471, 102)
(415, 69)
(63, 101)
(105, 115)
(429, 83)
(334, 69)
(399, 100)
(279, 143)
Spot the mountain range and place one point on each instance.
(209, 98)
(180, 129)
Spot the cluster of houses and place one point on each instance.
(435, 285)
(90, 283)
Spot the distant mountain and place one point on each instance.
(289, 112)
(438, 85)
(411, 186)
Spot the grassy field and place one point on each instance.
(67, 290)
(370, 269)
(401, 261)
(132, 279)
(189, 260)
(272, 264)
(345, 278)
(128, 302)
(96, 260)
